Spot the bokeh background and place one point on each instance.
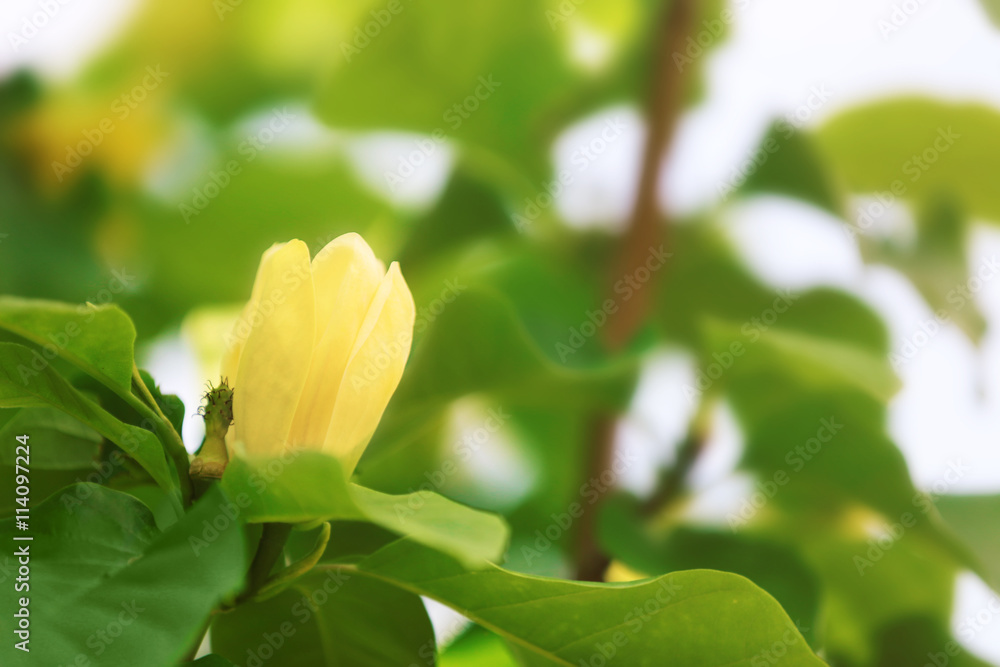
(844, 154)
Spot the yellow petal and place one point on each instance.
(373, 371)
(237, 338)
(344, 264)
(346, 276)
(275, 359)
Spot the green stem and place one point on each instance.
(168, 434)
(283, 578)
(272, 545)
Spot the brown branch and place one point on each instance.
(646, 230)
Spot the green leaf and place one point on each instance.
(23, 385)
(509, 93)
(793, 167)
(309, 486)
(505, 362)
(698, 618)
(477, 647)
(817, 362)
(974, 519)
(171, 406)
(993, 10)
(869, 583)
(96, 339)
(922, 641)
(774, 567)
(922, 147)
(82, 535)
(936, 263)
(104, 589)
(329, 619)
(69, 444)
(210, 661)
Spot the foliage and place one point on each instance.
(489, 485)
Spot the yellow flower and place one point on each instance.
(318, 351)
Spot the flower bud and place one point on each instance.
(318, 351)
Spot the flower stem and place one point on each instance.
(171, 439)
(272, 544)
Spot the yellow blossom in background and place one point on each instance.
(318, 351)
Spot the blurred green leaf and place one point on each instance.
(330, 619)
(993, 9)
(912, 641)
(936, 264)
(487, 97)
(284, 192)
(975, 519)
(790, 164)
(502, 361)
(698, 618)
(310, 486)
(922, 147)
(875, 572)
(817, 363)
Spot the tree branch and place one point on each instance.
(646, 230)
